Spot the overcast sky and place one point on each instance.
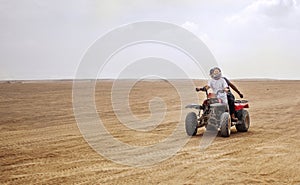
(249, 39)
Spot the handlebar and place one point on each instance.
(202, 89)
(205, 90)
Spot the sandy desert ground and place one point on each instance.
(40, 142)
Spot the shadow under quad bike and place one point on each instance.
(215, 116)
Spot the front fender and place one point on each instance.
(194, 106)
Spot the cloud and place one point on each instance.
(195, 28)
(264, 33)
(271, 13)
(192, 27)
(272, 7)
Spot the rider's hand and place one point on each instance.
(241, 95)
(202, 89)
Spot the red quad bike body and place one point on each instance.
(241, 104)
(213, 114)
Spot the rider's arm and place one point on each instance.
(206, 87)
(225, 85)
(235, 88)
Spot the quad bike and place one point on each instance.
(215, 116)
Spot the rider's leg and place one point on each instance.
(231, 100)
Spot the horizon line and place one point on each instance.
(148, 79)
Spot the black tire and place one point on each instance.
(191, 123)
(225, 124)
(244, 124)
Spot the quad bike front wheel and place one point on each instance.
(244, 124)
(225, 124)
(191, 122)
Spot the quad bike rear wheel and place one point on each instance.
(244, 124)
(191, 122)
(225, 125)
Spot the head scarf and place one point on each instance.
(213, 75)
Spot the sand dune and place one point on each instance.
(40, 142)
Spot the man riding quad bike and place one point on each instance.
(215, 111)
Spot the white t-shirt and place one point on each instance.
(219, 85)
